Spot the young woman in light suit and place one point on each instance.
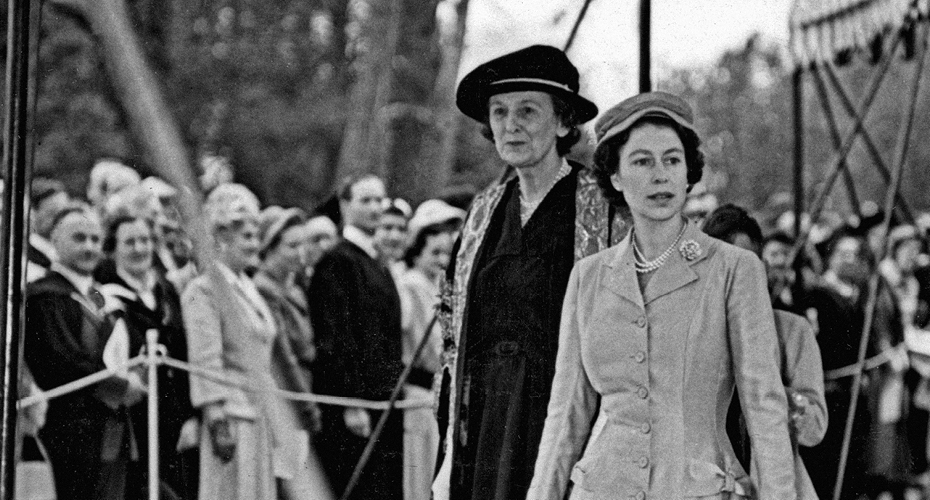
(656, 333)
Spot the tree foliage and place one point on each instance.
(271, 85)
(744, 114)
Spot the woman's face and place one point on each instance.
(290, 255)
(652, 174)
(525, 127)
(905, 255)
(848, 262)
(240, 246)
(134, 247)
(391, 237)
(434, 258)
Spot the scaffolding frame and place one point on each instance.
(823, 33)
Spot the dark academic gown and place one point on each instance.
(355, 312)
(512, 329)
(839, 325)
(89, 442)
(178, 471)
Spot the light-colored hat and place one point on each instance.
(432, 212)
(159, 188)
(622, 116)
(274, 220)
(902, 233)
(230, 203)
(108, 177)
(135, 201)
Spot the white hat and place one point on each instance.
(108, 177)
(229, 203)
(433, 212)
(159, 188)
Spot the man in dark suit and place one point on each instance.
(88, 433)
(356, 319)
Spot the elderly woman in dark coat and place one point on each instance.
(510, 269)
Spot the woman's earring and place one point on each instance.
(615, 182)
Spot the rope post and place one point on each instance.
(151, 360)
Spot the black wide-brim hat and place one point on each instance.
(538, 67)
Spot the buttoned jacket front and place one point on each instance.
(661, 366)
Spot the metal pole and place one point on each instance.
(870, 146)
(837, 140)
(21, 58)
(871, 91)
(904, 137)
(382, 420)
(797, 86)
(574, 32)
(645, 52)
(151, 359)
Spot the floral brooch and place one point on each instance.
(690, 250)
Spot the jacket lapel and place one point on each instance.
(677, 271)
(621, 277)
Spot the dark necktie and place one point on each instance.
(96, 297)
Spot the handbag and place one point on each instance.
(34, 479)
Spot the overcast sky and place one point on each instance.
(684, 33)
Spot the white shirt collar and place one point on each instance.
(145, 290)
(358, 237)
(80, 281)
(43, 245)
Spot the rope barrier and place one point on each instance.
(850, 370)
(220, 378)
(78, 384)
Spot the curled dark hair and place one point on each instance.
(729, 220)
(423, 235)
(607, 156)
(109, 240)
(565, 113)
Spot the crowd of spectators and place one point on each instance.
(289, 301)
(306, 303)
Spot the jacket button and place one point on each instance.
(641, 495)
(641, 321)
(643, 392)
(645, 428)
(643, 462)
(640, 357)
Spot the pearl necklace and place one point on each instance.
(644, 265)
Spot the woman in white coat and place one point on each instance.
(656, 333)
(247, 440)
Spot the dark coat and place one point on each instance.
(89, 441)
(356, 318)
(513, 324)
(574, 206)
(178, 471)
